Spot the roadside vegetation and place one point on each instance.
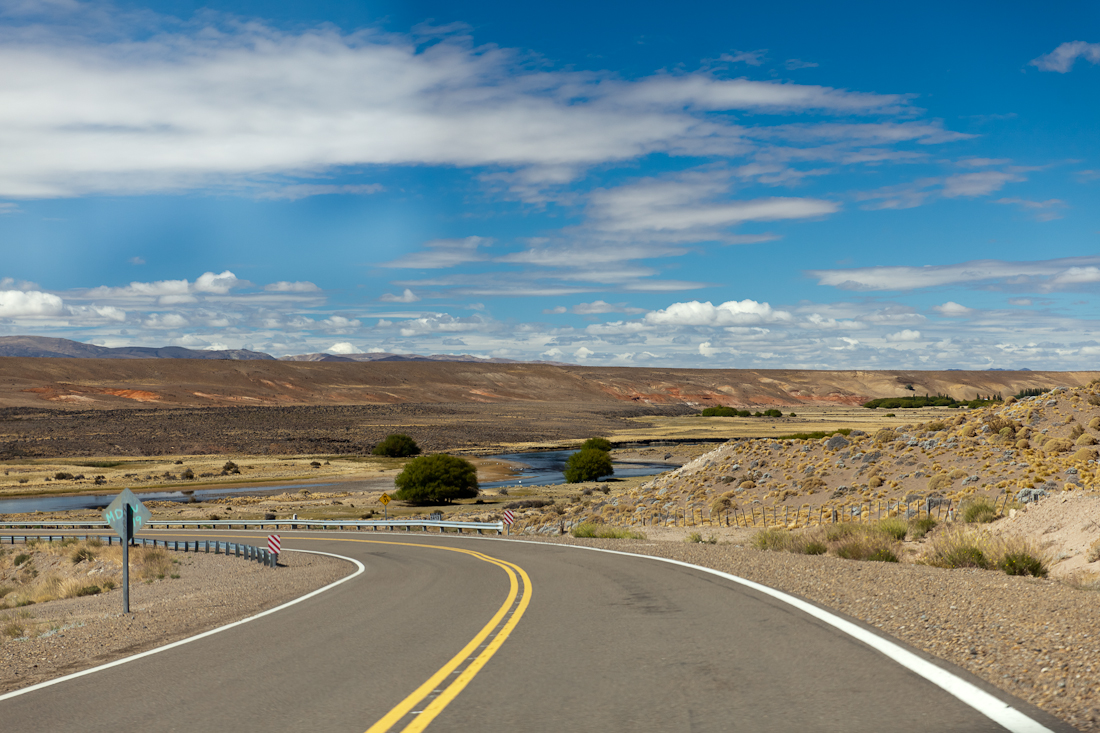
(734, 412)
(942, 400)
(436, 479)
(954, 547)
(604, 532)
(588, 464)
(39, 572)
(397, 445)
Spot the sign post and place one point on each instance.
(126, 515)
(385, 499)
(509, 518)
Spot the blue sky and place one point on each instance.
(783, 185)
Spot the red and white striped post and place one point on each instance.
(509, 519)
(274, 544)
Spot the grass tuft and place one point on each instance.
(894, 527)
(979, 510)
(603, 532)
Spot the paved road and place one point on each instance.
(590, 641)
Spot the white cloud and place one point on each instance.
(599, 306)
(952, 309)
(1077, 276)
(1062, 58)
(556, 310)
(165, 321)
(244, 104)
(690, 206)
(1039, 275)
(1043, 210)
(21, 303)
(443, 323)
(339, 324)
(219, 284)
(10, 283)
(344, 347)
(752, 58)
(444, 253)
(730, 313)
(904, 335)
(305, 190)
(406, 297)
(136, 261)
(796, 64)
(707, 350)
(583, 353)
(283, 286)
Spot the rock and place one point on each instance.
(836, 442)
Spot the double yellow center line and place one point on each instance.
(427, 701)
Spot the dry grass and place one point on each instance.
(32, 578)
(963, 547)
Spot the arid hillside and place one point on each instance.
(114, 383)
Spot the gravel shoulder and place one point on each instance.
(73, 634)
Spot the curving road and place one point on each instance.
(462, 634)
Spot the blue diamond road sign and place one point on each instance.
(116, 513)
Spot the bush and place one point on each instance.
(397, 445)
(918, 528)
(979, 510)
(894, 527)
(588, 465)
(598, 443)
(772, 413)
(62, 476)
(187, 474)
(588, 529)
(436, 479)
(1022, 563)
(719, 412)
(874, 547)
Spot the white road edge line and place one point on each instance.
(188, 640)
(977, 698)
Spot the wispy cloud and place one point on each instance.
(1048, 210)
(444, 253)
(242, 105)
(1037, 276)
(406, 297)
(1062, 58)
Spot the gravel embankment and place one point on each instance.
(212, 590)
(1034, 638)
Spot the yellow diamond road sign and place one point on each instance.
(385, 499)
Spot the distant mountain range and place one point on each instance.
(41, 346)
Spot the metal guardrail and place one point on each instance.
(322, 524)
(248, 552)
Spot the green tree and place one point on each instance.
(588, 465)
(397, 445)
(436, 479)
(598, 443)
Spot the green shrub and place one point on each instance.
(62, 476)
(894, 527)
(773, 413)
(1022, 563)
(87, 590)
(397, 445)
(868, 546)
(960, 548)
(814, 435)
(979, 510)
(436, 479)
(693, 537)
(598, 443)
(21, 558)
(779, 540)
(918, 528)
(719, 412)
(603, 532)
(814, 547)
(81, 554)
(588, 464)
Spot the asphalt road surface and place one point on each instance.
(460, 634)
